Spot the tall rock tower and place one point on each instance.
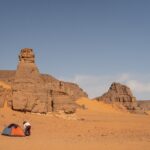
(29, 91)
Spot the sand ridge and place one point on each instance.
(94, 105)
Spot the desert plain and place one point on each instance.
(99, 126)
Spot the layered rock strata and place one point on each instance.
(120, 94)
(38, 93)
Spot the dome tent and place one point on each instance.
(13, 130)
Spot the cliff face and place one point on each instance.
(120, 94)
(39, 93)
(70, 89)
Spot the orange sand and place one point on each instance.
(4, 85)
(95, 106)
(98, 127)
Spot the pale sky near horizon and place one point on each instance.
(90, 42)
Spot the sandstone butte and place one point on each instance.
(27, 90)
(121, 96)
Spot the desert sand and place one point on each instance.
(4, 85)
(99, 127)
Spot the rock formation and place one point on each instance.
(7, 76)
(5, 94)
(2, 96)
(29, 90)
(35, 92)
(144, 104)
(120, 94)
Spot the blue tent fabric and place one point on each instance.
(6, 131)
(13, 130)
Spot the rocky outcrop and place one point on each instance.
(2, 98)
(5, 95)
(29, 91)
(120, 94)
(62, 101)
(7, 76)
(71, 89)
(35, 92)
(144, 104)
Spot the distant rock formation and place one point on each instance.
(144, 104)
(120, 94)
(2, 96)
(7, 76)
(35, 92)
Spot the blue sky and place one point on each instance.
(89, 42)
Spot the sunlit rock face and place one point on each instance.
(29, 90)
(120, 94)
(38, 93)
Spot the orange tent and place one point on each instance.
(13, 130)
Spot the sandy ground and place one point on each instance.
(4, 85)
(98, 127)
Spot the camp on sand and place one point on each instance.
(13, 130)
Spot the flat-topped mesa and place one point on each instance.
(27, 55)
